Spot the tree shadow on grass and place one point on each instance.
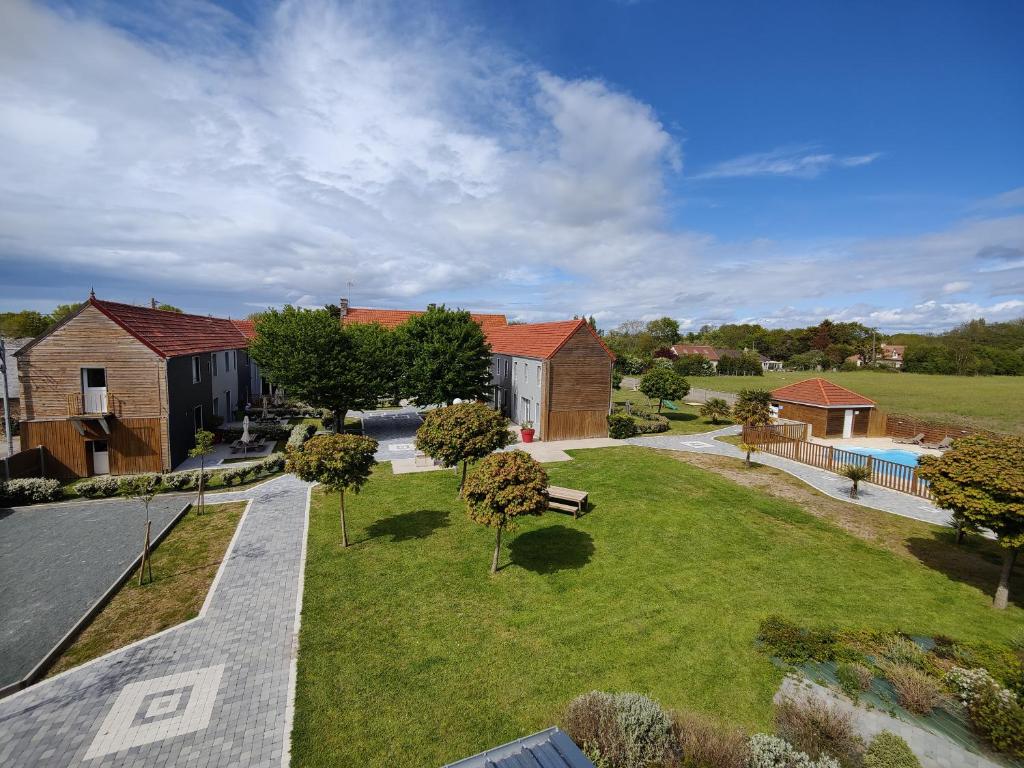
(409, 525)
(552, 549)
(671, 416)
(977, 562)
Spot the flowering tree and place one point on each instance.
(981, 481)
(338, 462)
(502, 487)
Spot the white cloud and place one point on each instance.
(957, 286)
(799, 162)
(359, 143)
(1013, 198)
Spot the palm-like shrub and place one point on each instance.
(502, 487)
(753, 408)
(855, 473)
(715, 409)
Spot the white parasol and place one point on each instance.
(245, 430)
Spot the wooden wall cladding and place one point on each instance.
(578, 424)
(581, 375)
(133, 446)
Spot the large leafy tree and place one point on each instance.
(445, 356)
(339, 462)
(663, 383)
(753, 407)
(462, 432)
(24, 324)
(981, 481)
(664, 331)
(321, 362)
(502, 487)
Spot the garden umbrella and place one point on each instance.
(245, 430)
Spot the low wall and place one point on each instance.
(28, 463)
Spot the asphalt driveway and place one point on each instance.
(56, 560)
(394, 430)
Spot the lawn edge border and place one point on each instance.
(26, 683)
(293, 666)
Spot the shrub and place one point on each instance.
(621, 425)
(966, 684)
(916, 691)
(30, 490)
(181, 481)
(270, 465)
(650, 423)
(701, 743)
(999, 718)
(888, 750)
(622, 730)
(772, 752)
(796, 644)
(149, 480)
(300, 434)
(818, 729)
(238, 475)
(616, 380)
(853, 677)
(99, 487)
(902, 650)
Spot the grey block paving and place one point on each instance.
(829, 483)
(215, 691)
(394, 430)
(56, 560)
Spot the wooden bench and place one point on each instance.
(567, 500)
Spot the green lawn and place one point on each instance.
(989, 402)
(684, 421)
(411, 654)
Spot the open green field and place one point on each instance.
(989, 402)
(685, 420)
(412, 654)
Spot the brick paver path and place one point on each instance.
(829, 483)
(215, 691)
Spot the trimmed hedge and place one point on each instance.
(30, 490)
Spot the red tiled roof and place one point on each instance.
(391, 318)
(171, 334)
(696, 349)
(246, 327)
(541, 340)
(822, 393)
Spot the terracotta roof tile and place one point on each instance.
(391, 318)
(246, 327)
(822, 393)
(541, 340)
(171, 334)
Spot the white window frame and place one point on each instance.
(197, 369)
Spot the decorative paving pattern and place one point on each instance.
(215, 691)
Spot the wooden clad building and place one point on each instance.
(831, 410)
(120, 389)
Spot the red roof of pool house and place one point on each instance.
(821, 393)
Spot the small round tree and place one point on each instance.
(715, 409)
(462, 432)
(338, 462)
(981, 480)
(143, 488)
(502, 487)
(662, 383)
(202, 449)
(855, 473)
(749, 448)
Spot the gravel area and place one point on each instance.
(56, 560)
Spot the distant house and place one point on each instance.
(13, 386)
(831, 410)
(891, 355)
(709, 353)
(120, 389)
(556, 376)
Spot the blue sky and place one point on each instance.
(711, 161)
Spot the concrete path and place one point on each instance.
(932, 749)
(829, 483)
(56, 560)
(215, 691)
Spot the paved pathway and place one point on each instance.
(215, 691)
(829, 483)
(932, 749)
(56, 560)
(394, 430)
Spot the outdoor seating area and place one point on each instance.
(567, 500)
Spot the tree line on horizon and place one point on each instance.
(28, 323)
(973, 348)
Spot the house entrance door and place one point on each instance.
(100, 457)
(94, 390)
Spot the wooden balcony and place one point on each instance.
(93, 410)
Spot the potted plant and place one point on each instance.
(526, 428)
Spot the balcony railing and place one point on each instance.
(93, 404)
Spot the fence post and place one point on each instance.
(871, 466)
(42, 462)
(7, 470)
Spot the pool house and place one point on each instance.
(830, 410)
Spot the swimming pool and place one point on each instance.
(895, 455)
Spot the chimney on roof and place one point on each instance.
(343, 305)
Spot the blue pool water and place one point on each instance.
(895, 455)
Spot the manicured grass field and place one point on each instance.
(684, 421)
(989, 402)
(411, 654)
(184, 565)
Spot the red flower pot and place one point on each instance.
(527, 435)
